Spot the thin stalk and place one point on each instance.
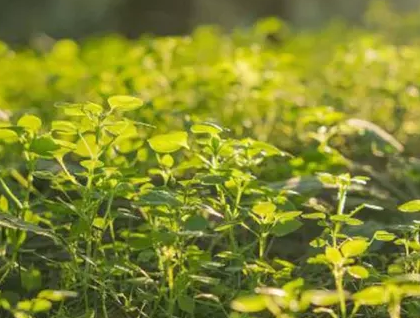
(338, 275)
(394, 309)
(10, 194)
(261, 245)
(342, 196)
(170, 277)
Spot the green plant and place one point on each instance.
(191, 178)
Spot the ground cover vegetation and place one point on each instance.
(261, 173)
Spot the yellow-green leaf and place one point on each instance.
(44, 146)
(124, 103)
(56, 295)
(358, 272)
(333, 255)
(63, 126)
(372, 296)
(168, 143)
(264, 208)
(254, 303)
(354, 247)
(30, 122)
(40, 305)
(167, 161)
(206, 128)
(92, 164)
(384, 236)
(321, 297)
(8, 136)
(410, 207)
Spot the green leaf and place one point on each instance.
(314, 216)
(283, 229)
(124, 103)
(92, 108)
(31, 279)
(327, 179)
(91, 164)
(267, 149)
(159, 197)
(167, 161)
(40, 305)
(321, 297)
(71, 109)
(99, 223)
(140, 241)
(354, 248)
(410, 290)
(4, 204)
(56, 295)
(318, 242)
(333, 255)
(206, 128)
(30, 123)
(196, 223)
(86, 146)
(205, 280)
(8, 136)
(254, 303)
(24, 305)
(63, 126)
(410, 207)
(384, 236)
(372, 296)
(168, 143)
(264, 209)
(226, 226)
(358, 272)
(186, 303)
(346, 219)
(12, 222)
(212, 179)
(43, 146)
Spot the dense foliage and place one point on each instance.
(256, 174)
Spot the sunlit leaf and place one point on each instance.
(124, 103)
(410, 207)
(264, 209)
(254, 303)
(168, 143)
(8, 136)
(354, 248)
(56, 295)
(206, 128)
(333, 255)
(30, 122)
(322, 297)
(358, 272)
(372, 296)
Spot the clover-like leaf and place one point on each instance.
(255, 303)
(410, 207)
(124, 103)
(30, 122)
(168, 143)
(372, 296)
(354, 248)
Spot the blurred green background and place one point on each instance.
(23, 20)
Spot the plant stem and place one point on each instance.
(342, 196)
(10, 193)
(261, 246)
(338, 275)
